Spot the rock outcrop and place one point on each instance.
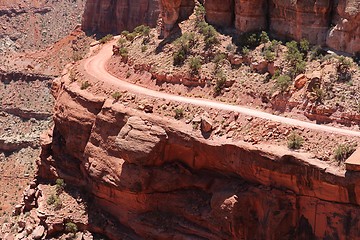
(114, 16)
(166, 183)
(323, 22)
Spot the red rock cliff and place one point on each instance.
(169, 184)
(107, 16)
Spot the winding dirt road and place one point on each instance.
(96, 67)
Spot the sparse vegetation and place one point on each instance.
(295, 141)
(60, 185)
(85, 85)
(179, 113)
(116, 95)
(195, 65)
(106, 39)
(220, 82)
(343, 152)
(344, 69)
(71, 227)
(295, 58)
(183, 45)
(283, 82)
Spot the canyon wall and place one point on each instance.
(164, 181)
(335, 24)
(107, 16)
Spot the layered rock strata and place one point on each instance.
(323, 22)
(166, 183)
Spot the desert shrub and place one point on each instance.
(71, 227)
(220, 82)
(320, 94)
(316, 52)
(200, 13)
(54, 200)
(179, 113)
(195, 65)
(183, 45)
(131, 36)
(51, 200)
(295, 58)
(123, 52)
(142, 30)
(264, 38)
(209, 33)
(249, 40)
(344, 69)
(219, 57)
(106, 39)
(295, 141)
(144, 48)
(231, 48)
(269, 55)
(283, 82)
(343, 152)
(304, 46)
(179, 57)
(85, 85)
(121, 42)
(245, 51)
(60, 185)
(116, 95)
(125, 33)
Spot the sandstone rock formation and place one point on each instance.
(169, 184)
(323, 22)
(114, 16)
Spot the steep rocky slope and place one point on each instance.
(323, 22)
(35, 24)
(167, 183)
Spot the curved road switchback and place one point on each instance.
(96, 67)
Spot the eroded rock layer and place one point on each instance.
(323, 22)
(108, 16)
(166, 183)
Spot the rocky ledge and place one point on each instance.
(161, 180)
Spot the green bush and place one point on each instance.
(343, 152)
(106, 39)
(85, 85)
(71, 227)
(116, 95)
(209, 33)
(123, 52)
(144, 48)
(283, 82)
(60, 185)
(220, 82)
(295, 141)
(179, 113)
(295, 58)
(195, 65)
(264, 38)
(183, 45)
(121, 42)
(142, 30)
(304, 46)
(269, 55)
(344, 69)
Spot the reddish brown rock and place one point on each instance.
(114, 16)
(345, 33)
(300, 19)
(250, 15)
(220, 12)
(163, 181)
